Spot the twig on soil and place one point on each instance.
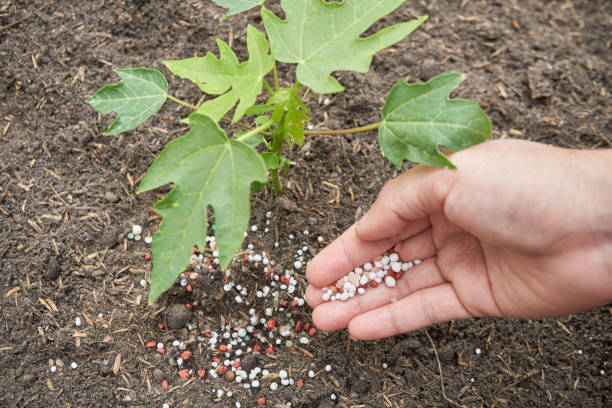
(440, 369)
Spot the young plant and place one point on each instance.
(208, 168)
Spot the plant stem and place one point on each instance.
(275, 73)
(185, 104)
(258, 129)
(276, 184)
(343, 131)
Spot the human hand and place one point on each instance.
(519, 230)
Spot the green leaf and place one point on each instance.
(257, 186)
(270, 159)
(258, 109)
(254, 140)
(135, 99)
(260, 120)
(235, 81)
(287, 102)
(418, 118)
(284, 163)
(322, 37)
(208, 169)
(237, 6)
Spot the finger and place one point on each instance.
(414, 194)
(349, 251)
(420, 309)
(420, 246)
(313, 296)
(330, 316)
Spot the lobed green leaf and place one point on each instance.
(418, 118)
(208, 169)
(234, 80)
(238, 6)
(322, 37)
(135, 99)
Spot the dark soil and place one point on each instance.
(541, 69)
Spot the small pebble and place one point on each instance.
(111, 197)
(77, 321)
(328, 368)
(136, 230)
(73, 365)
(28, 379)
(478, 351)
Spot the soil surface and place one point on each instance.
(540, 69)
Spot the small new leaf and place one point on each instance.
(418, 118)
(237, 6)
(322, 37)
(135, 99)
(287, 102)
(235, 81)
(207, 169)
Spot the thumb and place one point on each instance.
(413, 195)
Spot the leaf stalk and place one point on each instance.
(195, 108)
(183, 103)
(258, 129)
(343, 131)
(275, 73)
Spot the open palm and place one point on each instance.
(511, 234)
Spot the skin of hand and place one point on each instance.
(520, 229)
